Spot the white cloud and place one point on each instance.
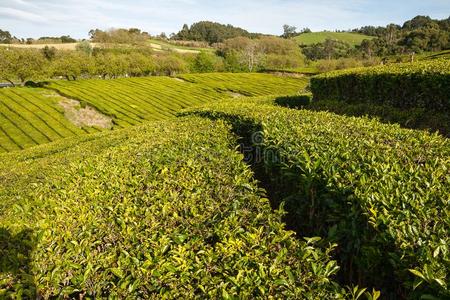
(76, 17)
(18, 14)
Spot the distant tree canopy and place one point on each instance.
(289, 31)
(265, 52)
(118, 36)
(5, 37)
(416, 35)
(65, 39)
(211, 32)
(329, 49)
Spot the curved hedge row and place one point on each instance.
(423, 84)
(379, 191)
(165, 210)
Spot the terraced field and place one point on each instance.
(30, 117)
(131, 101)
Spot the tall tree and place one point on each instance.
(289, 31)
(5, 37)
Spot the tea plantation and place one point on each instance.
(130, 101)
(164, 210)
(218, 192)
(29, 117)
(380, 192)
(33, 116)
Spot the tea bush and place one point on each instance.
(379, 191)
(163, 210)
(424, 84)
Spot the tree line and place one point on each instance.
(211, 32)
(239, 54)
(420, 34)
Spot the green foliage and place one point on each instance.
(29, 117)
(118, 36)
(242, 53)
(166, 210)
(210, 32)
(5, 37)
(71, 65)
(423, 84)
(22, 65)
(416, 118)
(85, 47)
(131, 101)
(352, 39)
(416, 35)
(205, 62)
(379, 191)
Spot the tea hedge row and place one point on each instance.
(248, 84)
(164, 210)
(132, 100)
(32, 117)
(415, 118)
(424, 84)
(381, 192)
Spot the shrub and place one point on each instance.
(379, 191)
(413, 85)
(165, 210)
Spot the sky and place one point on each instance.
(36, 18)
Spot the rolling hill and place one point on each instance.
(319, 37)
(34, 116)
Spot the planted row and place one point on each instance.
(424, 84)
(380, 192)
(131, 101)
(165, 210)
(31, 117)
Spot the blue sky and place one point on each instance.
(35, 18)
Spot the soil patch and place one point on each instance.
(84, 116)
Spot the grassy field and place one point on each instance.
(320, 37)
(29, 117)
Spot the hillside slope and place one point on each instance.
(353, 39)
(30, 117)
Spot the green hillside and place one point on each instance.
(29, 117)
(320, 37)
(131, 101)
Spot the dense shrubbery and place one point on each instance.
(416, 118)
(168, 210)
(245, 54)
(416, 35)
(379, 191)
(414, 85)
(21, 65)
